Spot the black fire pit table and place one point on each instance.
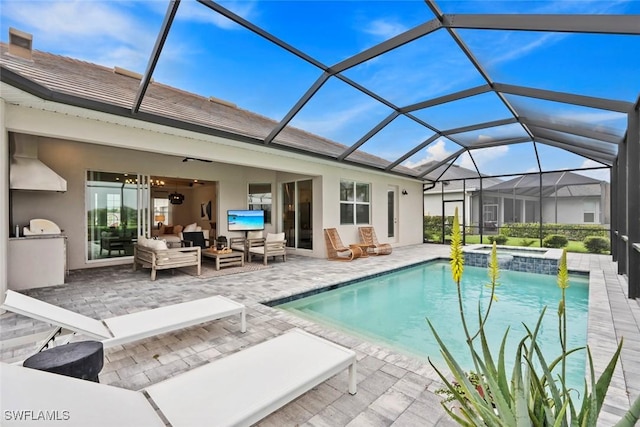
(82, 360)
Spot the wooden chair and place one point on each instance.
(273, 245)
(336, 250)
(368, 236)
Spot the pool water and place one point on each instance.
(391, 310)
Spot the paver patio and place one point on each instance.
(393, 389)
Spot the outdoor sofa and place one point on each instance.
(154, 254)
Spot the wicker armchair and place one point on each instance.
(368, 236)
(336, 250)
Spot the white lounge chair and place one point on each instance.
(237, 390)
(129, 327)
(30, 397)
(243, 388)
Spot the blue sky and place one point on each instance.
(211, 56)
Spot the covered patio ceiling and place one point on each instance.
(485, 109)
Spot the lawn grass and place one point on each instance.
(573, 246)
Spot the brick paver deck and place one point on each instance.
(393, 389)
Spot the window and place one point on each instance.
(354, 202)
(161, 211)
(589, 212)
(260, 199)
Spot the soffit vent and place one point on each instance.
(128, 73)
(222, 102)
(20, 44)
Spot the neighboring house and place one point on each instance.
(459, 184)
(72, 116)
(566, 197)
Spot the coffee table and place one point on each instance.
(230, 259)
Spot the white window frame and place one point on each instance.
(355, 203)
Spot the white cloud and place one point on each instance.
(196, 12)
(59, 20)
(86, 30)
(333, 122)
(600, 174)
(384, 29)
(484, 157)
(511, 53)
(434, 152)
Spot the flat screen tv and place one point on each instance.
(245, 220)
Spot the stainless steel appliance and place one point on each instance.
(38, 258)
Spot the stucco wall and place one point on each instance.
(570, 211)
(81, 140)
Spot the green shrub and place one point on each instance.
(432, 226)
(555, 241)
(531, 230)
(500, 239)
(527, 242)
(596, 244)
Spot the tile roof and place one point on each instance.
(88, 81)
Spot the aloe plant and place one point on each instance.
(533, 395)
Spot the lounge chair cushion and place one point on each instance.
(77, 403)
(130, 327)
(244, 387)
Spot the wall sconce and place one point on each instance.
(405, 192)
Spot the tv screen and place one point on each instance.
(245, 220)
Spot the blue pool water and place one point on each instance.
(391, 310)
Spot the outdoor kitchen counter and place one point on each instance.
(41, 236)
(36, 261)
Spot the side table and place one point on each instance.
(364, 248)
(83, 360)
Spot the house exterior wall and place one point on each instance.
(433, 204)
(570, 210)
(74, 140)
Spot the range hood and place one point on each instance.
(27, 172)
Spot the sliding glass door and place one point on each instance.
(297, 213)
(112, 202)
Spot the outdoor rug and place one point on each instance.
(208, 270)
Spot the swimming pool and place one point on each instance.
(391, 310)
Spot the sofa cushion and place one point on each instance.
(254, 234)
(157, 244)
(190, 227)
(274, 237)
(143, 241)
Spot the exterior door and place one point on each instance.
(392, 213)
(297, 209)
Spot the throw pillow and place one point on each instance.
(190, 227)
(168, 229)
(177, 229)
(254, 234)
(157, 244)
